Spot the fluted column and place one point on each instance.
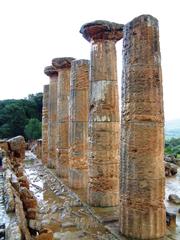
(142, 178)
(52, 115)
(45, 124)
(63, 66)
(103, 147)
(78, 129)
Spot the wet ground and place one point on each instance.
(7, 220)
(173, 187)
(2, 208)
(67, 213)
(61, 209)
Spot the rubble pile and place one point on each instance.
(18, 197)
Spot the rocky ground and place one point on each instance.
(68, 216)
(60, 209)
(2, 208)
(172, 200)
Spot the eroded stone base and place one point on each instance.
(62, 172)
(145, 223)
(50, 165)
(77, 178)
(98, 199)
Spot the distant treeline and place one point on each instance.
(172, 147)
(21, 117)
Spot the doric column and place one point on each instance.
(78, 129)
(52, 115)
(45, 124)
(103, 161)
(142, 178)
(63, 66)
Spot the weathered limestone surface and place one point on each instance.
(4, 145)
(142, 177)
(63, 66)
(174, 198)
(52, 115)
(45, 124)
(45, 234)
(78, 129)
(8, 192)
(16, 152)
(17, 147)
(18, 197)
(170, 169)
(103, 161)
(21, 219)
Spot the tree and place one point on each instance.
(33, 129)
(172, 146)
(37, 101)
(13, 120)
(15, 114)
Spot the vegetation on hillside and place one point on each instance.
(18, 115)
(172, 147)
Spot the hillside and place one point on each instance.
(21, 117)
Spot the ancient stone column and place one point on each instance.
(52, 115)
(142, 178)
(38, 149)
(78, 129)
(45, 124)
(103, 146)
(63, 66)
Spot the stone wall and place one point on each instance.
(18, 198)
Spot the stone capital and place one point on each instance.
(50, 71)
(59, 63)
(102, 30)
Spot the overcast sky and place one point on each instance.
(32, 32)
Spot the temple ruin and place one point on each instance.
(114, 163)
